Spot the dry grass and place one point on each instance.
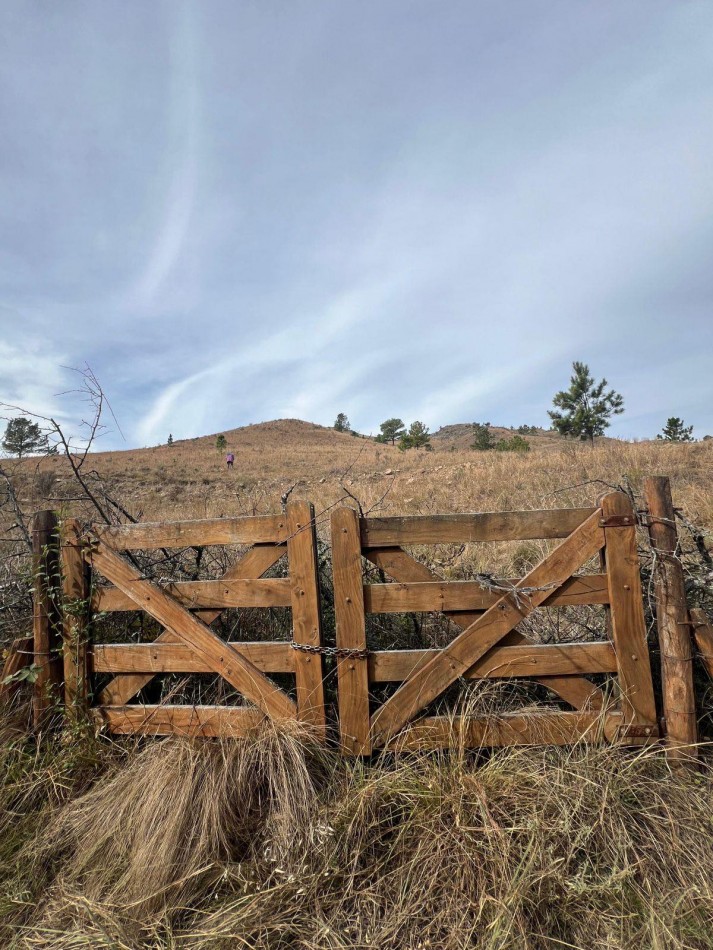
(189, 479)
(273, 843)
(269, 843)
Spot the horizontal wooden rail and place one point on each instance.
(537, 728)
(486, 526)
(200, 595)
(180, 534)
(384, 666)
(470, 595)
(178, 720)
(565, 659)
(178, 658)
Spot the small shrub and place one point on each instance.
(515, 444)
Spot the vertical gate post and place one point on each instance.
(627, 616)
(672, 622)
(75, 614)
(352, 671)
(45, 618)
(306, 616)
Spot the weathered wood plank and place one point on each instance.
(163, 657)
(202, 595)
(679, 699)
(627, 611)
(703, 632)
(253, 564)
(565, 659)
(20, 654)
(575, 690)
(75, 616)
(45, 618)
(306, 616)
(148, 536)
(221, 658)
(191, 721)
(352, 672)
(538, 728)
(454, 660)
(483, 526)
(470, 595)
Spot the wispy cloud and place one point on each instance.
(245, 211)
(176, 200)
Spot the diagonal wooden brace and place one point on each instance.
(454, 660)
(253, 564)
(218, 655)
(575, 690)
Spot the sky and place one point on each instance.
(241, 210)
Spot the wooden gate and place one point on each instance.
(186, 610)
(489, 644)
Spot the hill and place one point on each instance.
(460, 436)
(189, 478)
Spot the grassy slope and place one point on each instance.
(190, 479)
(270, 844)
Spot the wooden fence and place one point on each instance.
(371, 715)
(488, 644)
(186, 610)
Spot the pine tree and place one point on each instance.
(23, 437)
(221, 443)
(392, 429)
(417, 437)
(341, 423)
(169, 441)
(483, 439)
(676, 431)
(586, 406)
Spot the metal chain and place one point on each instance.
(353, 653)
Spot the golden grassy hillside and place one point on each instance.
(190, 480)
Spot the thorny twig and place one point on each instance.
(17, 509)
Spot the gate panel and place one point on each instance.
(489, 645)
(185, 610)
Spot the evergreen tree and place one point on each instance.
(585, 407)
(416, 437)
(221, 443)
(483, 439)
(23, 437)
(341, 423)
(391, 430)
(169, 441)
(676, 431)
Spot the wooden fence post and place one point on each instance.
(672, 622)
(45, 618)
(75, 614)
(306, 615)
(626, 618)
(352, 671)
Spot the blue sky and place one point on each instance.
(237, 211)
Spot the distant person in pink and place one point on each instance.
(230, 458)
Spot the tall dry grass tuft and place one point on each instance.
(272, 843)
(523, 849)
(167, 829)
